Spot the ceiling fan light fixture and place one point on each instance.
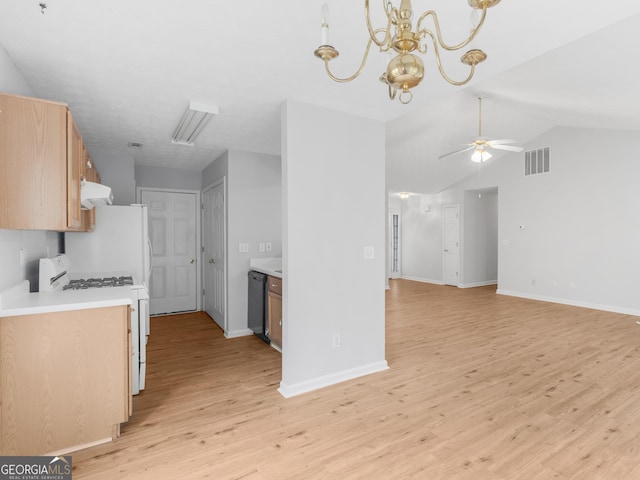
(480, 155)
(480, 143)
(193, 122)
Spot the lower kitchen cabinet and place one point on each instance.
(65, 380)
(274, 310)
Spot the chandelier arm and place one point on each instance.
(373, 33)
(392, 92)
(436, 23)
(440, 67)
(355, 75)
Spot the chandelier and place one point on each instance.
(406, 70)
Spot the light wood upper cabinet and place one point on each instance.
(42, 157)
(75, 163)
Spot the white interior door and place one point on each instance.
(213, 241)
(172, 231)
(395, 270)
(451, 254)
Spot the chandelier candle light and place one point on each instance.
(406, 70)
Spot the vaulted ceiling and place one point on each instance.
(129, 69)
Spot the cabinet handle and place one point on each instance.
(274, 285)
(193, 260)
(280, 322)
(211, 260)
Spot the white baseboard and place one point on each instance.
(245, 332)
(574, 303)
(422, 280)
(288, 391)
(478, 284)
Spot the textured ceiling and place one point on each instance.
(128, 70)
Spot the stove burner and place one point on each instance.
(81, 284)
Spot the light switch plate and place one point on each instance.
(268, 246)
(369, 253)
(243, 248)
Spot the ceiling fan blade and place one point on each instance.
(455, 152)
(501, 142)
(511, 148)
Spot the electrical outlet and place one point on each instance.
(269, 246)
(369, 253)
(336, 340)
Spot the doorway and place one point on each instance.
(173, 232)
(214, 253)
(395, 243)
(451, 242)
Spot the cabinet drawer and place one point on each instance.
(275, 285)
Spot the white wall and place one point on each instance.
(334, 205)
(254, 209)
(117, 171)
(479, 238)
(164, 177)
(421, 235)
(254, 215)
(36, 243)
(216, 170)
(11, 80)
(580, 236)
(581, 232)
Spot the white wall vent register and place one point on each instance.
(536, 161)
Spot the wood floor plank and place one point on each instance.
(480, 386)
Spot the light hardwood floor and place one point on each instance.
(480, 387)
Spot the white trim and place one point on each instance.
(459, 258)
(198, 215)
(245, 332)
(288, 391)
(478, 284)
(222, 180)
(391, 213)
(75, 448)
(574, 303)
(422, 280)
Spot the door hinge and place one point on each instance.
(203, 291)
(202, 206)
(202, 249)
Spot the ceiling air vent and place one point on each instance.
(536, 161)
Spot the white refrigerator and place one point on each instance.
(119, 245)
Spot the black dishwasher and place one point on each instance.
(257, 311)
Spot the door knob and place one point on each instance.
(211, 260)
(193, 260)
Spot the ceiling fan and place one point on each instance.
(481, 144)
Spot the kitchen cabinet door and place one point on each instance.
(274, 310)
(75, 161)
(41, 155)
(65, 379)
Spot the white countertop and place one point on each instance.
(269, 265)
(24, 303)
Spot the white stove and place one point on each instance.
(113, 281)
(55, 276)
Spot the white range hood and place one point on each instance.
(93, 194)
